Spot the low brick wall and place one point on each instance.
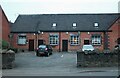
(97, 59)
(8, 58)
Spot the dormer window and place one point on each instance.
(54, 25)
(96, 25)
(74, 24)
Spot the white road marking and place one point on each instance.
(62, 56)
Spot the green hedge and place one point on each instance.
(5, 44)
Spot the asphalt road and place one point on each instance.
(58, 64)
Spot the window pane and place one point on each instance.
(22, 40)
(96, 40)
(53, 39)
(74, 40)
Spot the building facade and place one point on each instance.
(4, 26)
(114, 36)
(66, 32)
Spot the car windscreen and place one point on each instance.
(87, 47)
(42, 46)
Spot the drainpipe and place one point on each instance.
(105, 41)
(36, 33)
(11, 37)
(35, 40)
(59, 41)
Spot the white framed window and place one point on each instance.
(96, 24)
(22, 39)
(54, 39)
(74, 40)
(96, 39)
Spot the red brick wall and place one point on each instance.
(45, 37)
(15, 41)
(87, 35)
(4, 25)
(119, 28)
(0, 23)
(114, 35)
(63, 35)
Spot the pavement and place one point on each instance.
(58, 64)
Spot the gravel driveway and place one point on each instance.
(29, 60)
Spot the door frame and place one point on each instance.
(33, 48)
(65, 44)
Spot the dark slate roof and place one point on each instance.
(43, 22)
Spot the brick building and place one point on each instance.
(66, 32)
(4, 26)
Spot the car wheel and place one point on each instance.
(37, 54)
(48, 54)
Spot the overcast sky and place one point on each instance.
(13, 8)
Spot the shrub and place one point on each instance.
(0, 44)
(5, 44)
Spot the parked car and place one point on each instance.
(88, 48)
(44, 50)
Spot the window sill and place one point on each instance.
(74, 44)
(97, 45)
(21, 44)
(53, 44)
